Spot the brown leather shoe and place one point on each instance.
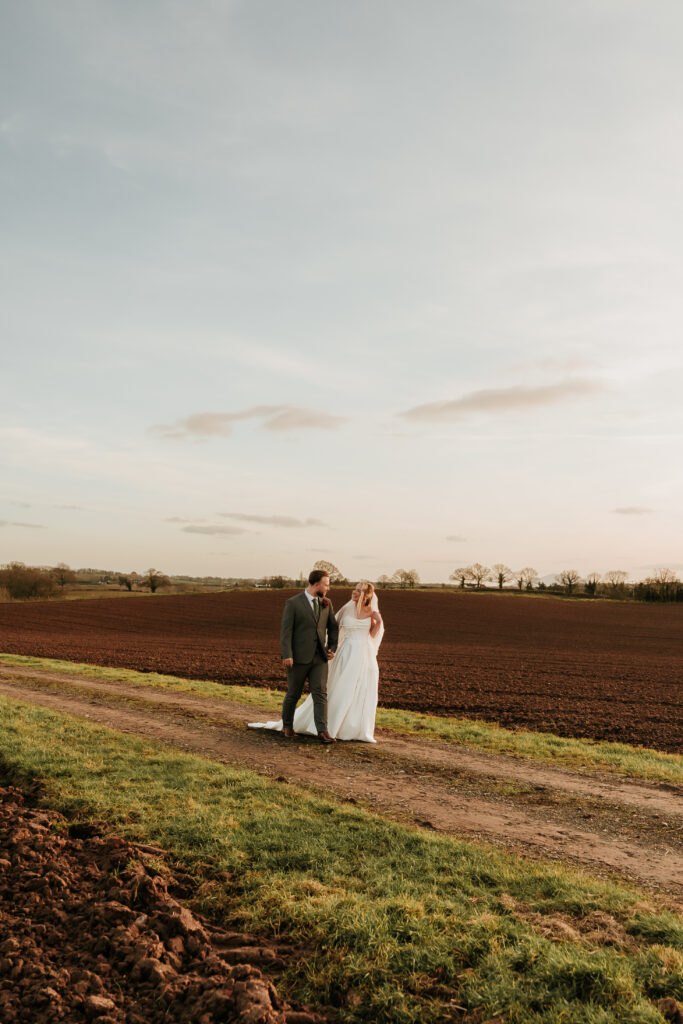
(325, 737)
(288, 733)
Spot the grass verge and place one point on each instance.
(578, 754)
(400, 926)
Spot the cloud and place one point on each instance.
(493, 400)
(27, 504)
(26, 526)
(212, 531)
(181, 519)
(273, 360)
(286, 521)
(566, 364)
(131, 466)
(455, 538)
(293, 418)
(633, 510)
(272, 417)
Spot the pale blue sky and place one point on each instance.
(410, 271)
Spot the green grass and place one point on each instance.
(397, 923)
(579, 754)
(597, 755)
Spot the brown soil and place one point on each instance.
(90, 930)
(606, 670)
(611, 825)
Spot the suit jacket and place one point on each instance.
(301, 636)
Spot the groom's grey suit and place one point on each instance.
(307, 641)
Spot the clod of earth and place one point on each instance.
(91, 933)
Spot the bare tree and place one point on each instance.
(665, 576)
(528, 577)
(406, 578)
(383, 580)
(592, 580)
(568, 578)
(666, 580)
(478, 573)
(127, 579)
(663, 585)
(616, 578)
(336, 576)
(63, 574)
(502, 573)
(461, 575)
(155, 579)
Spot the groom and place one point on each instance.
(308, 635)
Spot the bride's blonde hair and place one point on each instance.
(366, 592)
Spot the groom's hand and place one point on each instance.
(288, 662)
(330, 655)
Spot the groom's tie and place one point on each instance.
(316, 608)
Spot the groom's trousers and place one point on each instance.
(316, 674)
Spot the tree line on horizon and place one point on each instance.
(23, 582)
(662, 585)
(26, 582)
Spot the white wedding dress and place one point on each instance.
(352, 681)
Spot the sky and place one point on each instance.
(388, 283)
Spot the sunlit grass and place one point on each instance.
(579, 754)
(397, 923)
(598, 755)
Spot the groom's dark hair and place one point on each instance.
(316, 576)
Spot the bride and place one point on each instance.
(353, 674)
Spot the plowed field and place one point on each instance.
(603, 670)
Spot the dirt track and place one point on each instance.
(608, 824)
(606, 670)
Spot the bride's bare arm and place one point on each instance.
(375, 623)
